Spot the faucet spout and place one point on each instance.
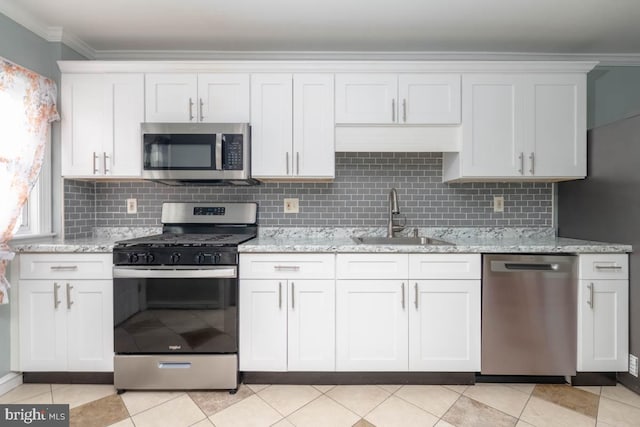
(394, 209)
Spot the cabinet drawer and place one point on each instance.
(287, 266)
(604, 266)
(372, 266)
(66, 266)
(444, 266)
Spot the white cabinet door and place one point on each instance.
(371, 325)
(89, 305)
(558, 146)
(263, 325)
(493, 119)
(43, 326)
(311, 321)
(313, 126)
(123, 113)
(82, 124)
(223, 98)
(366, 98)
(429, 98)
(171, 97)
(444, 325)
(271, 125)
(603, 325)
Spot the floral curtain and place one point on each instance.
(27, 107)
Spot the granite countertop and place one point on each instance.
(334, 240)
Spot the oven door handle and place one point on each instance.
(175, 273)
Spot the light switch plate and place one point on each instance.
(633, 365)
(291, 206)
(132, 206)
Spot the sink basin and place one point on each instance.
(376, 240)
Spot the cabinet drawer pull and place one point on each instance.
(190, 109)
(402, 295)
(56, 301)
(69, 302)
(532, 157)
(104, 162)
(279, 294)
(415, 288)
(609, 267)
(590, 300)
(64, 267)
(293, 295)
(393, 110)
(286, 267)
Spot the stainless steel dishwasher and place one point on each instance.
(529, 305)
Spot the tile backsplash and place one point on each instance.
(357, 198)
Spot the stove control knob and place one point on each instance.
(149, 257)
(174, 257)
(200, 258)
(133, 258)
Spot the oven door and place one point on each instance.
(172, 310)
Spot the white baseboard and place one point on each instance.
(9, 382)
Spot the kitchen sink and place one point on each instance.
(377, 240)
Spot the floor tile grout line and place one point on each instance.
(447, 411)
(525, 406)
(296, 410)
(352, 411)
(155, 406)
(422, 409)
(618, 400)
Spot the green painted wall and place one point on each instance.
(612, 94)
(25, 48)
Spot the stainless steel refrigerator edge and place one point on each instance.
(606, 206)
(529, 314)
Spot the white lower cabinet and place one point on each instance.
(371, 333)
(287, 314)
(65, 314)
(603, 313)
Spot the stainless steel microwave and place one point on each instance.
(197, 153)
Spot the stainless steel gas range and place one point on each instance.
(176, 299)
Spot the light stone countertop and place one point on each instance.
(335, 240)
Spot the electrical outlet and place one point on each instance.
(498, 203)
(633, 365)
(132, 206)
(291, 206)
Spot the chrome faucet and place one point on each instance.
(394, 209)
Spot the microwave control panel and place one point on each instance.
(232, 153)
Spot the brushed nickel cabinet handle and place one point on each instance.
(532, 157)
(609, 267)
(95, 169)
(63, 267)
(104, 162)
(402, 295)
(590, 300)
(521, 170)
(293, 295)
(69, 302)
(286, 267)
(287, 162)
(297, 163)
(201, 108)
(404, 110)
(415, 289)
(393, 110)
(56, 301)
(190, 109)
(279, 294)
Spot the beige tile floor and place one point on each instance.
(491, 405)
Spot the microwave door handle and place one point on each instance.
(219, 138)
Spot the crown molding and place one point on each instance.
(75, 43)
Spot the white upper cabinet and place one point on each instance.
(398, 98)
(101, 116)
(205, 97)
(292, 126)
(521, 127)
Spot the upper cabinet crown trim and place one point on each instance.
(326, 66)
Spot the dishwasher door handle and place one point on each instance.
(507, 266)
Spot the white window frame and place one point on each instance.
(36, 215)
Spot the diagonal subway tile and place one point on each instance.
(617, 413)
(395, 412)
(621, 394)
(471, 413)
(99, 413)
(359, 398)
(432, 398)
(288, 398)
(569, 397)
(178, 412)
(139, 401)
(249, 412)
(540, 412)
(499, 396)
(323, 412)
(211, 402)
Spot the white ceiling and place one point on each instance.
(109, 27)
